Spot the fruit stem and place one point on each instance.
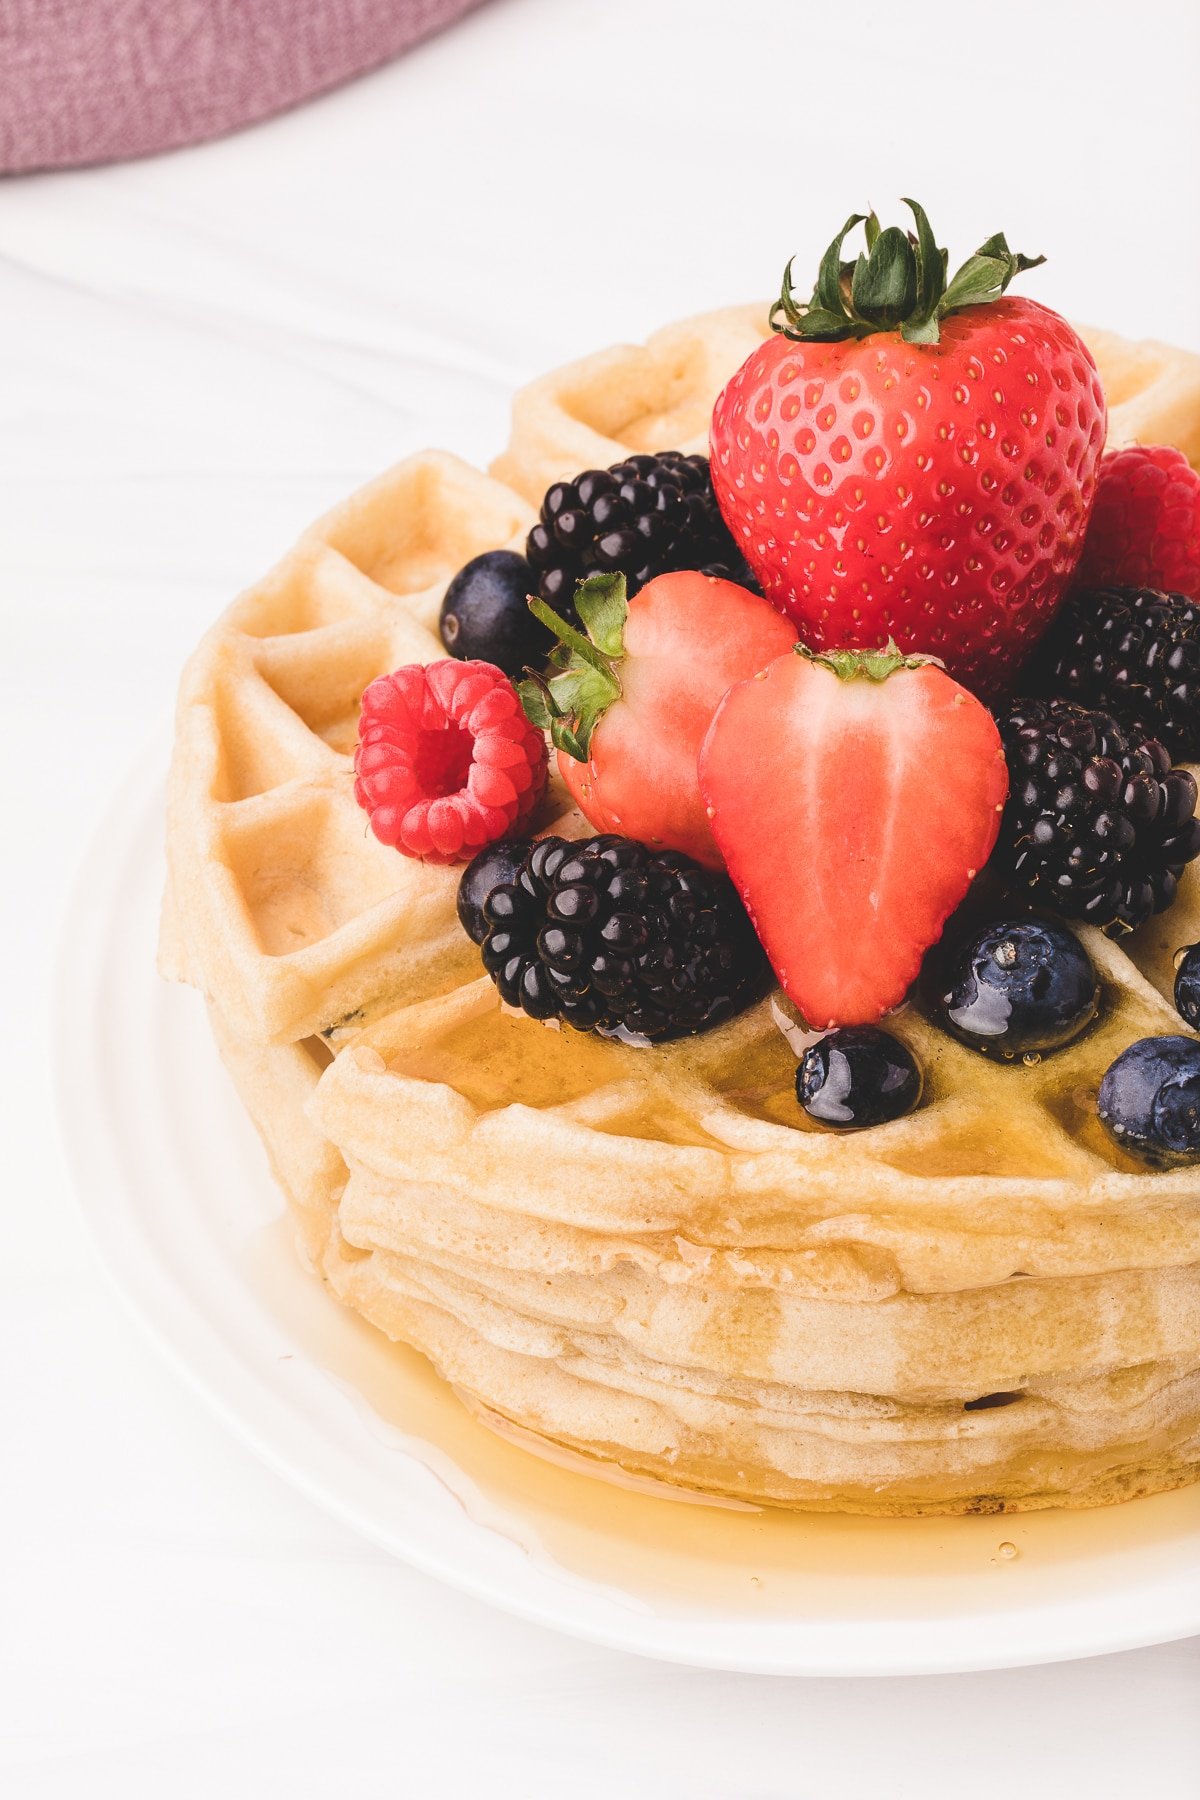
(581, 684)
(567, 634)
(869, 665)
(899, 284)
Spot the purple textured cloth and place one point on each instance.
(86, 81)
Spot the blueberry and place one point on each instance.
(1150, 1099)
(1021, 987)
(496, 866)
(485, 614)
(1187, 986)
(857, 1076)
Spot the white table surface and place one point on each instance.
(199, 353)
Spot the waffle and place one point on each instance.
(651, 1256)
(659, 396)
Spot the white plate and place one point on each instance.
(178, 1197)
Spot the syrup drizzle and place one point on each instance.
(681, 1553)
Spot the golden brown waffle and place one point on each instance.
(659, 396)
(295, 918)
(650, 1255)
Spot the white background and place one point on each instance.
(199, 353)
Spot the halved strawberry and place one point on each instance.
(854, 797)
(628, 706)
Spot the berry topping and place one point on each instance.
(1133, 652)
(1187, 986)
(1145, 529)
(485, 616)
(1020, 988)
(1098, 826)
(856, 1077)
(910, 460)
(1150, 1099)
(609, 937)
(628, 705)
(498, 864)
(641, 518)
(855, 797)
(446, 759)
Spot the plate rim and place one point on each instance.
(191, 1344)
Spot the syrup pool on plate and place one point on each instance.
(678, 1551)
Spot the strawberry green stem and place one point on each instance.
(866, 665)
(581, 682)
(900, 284)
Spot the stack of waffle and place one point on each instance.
(650, 1255)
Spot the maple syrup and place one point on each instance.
(681, 1552)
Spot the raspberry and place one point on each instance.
(446, 760)
(1145, 526)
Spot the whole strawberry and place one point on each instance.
(627, 705)
(913, 459)
(1145, 529)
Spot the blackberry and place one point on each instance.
(1133, 651)
(496, 863)
(1019, 988)
(640, 518)
(611, 937)
(1098, 825)
(856, 1077)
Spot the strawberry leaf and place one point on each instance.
(535, 701)
(582, 681)
(573, 640)
(601, 604)
(828, 292)
(921, 330)
(564, 738)
(827, 327)
(921, 326)
(985, 275)
(885, 282)
(901, 282)
(866, 665)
